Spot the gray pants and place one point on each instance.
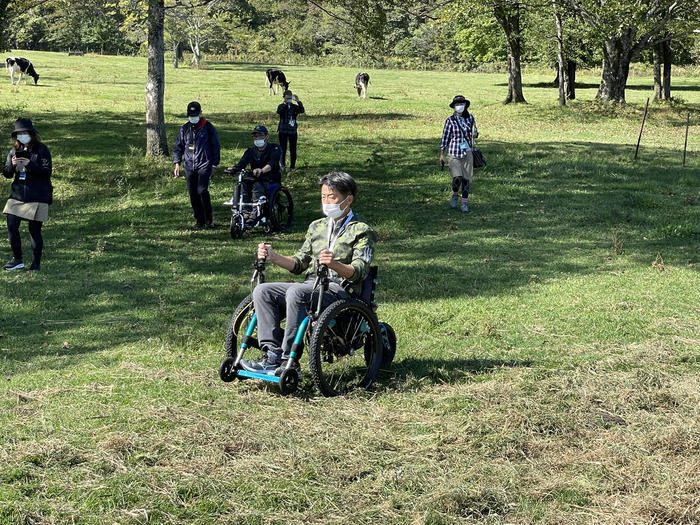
(276, 301)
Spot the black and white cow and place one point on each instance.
(361, 84)
(21, 66)
(274, 78)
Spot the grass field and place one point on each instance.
(548, 359)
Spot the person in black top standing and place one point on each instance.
(29, 165)
(264, 160)
(287, 127)
(198, 144)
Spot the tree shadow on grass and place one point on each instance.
(253, 66)
(440, 371)
(589, 85)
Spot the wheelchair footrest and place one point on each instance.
(259, 375)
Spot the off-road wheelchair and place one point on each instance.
(347, 343)
(273, 212)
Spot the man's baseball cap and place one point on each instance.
(259, 129)
(193, 109)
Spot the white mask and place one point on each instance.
(24, 138)
(333, 211)
(460, 108)
(193, 120)
(259, 142)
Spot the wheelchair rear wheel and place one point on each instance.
(238, 324)
(345, 351)
(281, 209)
(237, 226)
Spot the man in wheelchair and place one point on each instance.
(342, 241)
(264, 160)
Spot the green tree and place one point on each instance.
(628, 28)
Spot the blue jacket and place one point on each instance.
(199, 145)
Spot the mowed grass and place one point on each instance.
(547, 364)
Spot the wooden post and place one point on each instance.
(641, 129)
(685, 146)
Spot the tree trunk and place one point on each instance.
(570, 79)
(194, 46)
(560, 55)
(658, 93)
(156, 140)
(508, 16)
(3, 18)
(617, 55)
(176, 54)
(667, 56)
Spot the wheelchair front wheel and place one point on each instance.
(289, 381)
(228, 372)
(346, 347)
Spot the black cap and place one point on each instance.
(23, 124)
(193, 109)
(459, 99)
(259, 129)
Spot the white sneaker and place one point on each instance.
(454, 201)
(229, 202)
(465, 208)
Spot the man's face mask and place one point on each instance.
(459, 108)
(24, 138)
(333, 211)
(259, 142)
(288, 100)
(193, 120)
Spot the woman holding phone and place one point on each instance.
(29, 165)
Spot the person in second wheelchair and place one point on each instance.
(342, 241)
(264, 160)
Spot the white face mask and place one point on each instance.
(460, 108)
(193, 120)
(333, 211)
(24, 138)
(259, 142)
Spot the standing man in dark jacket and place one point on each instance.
(287, 128)
(198, 144)
(264, 160)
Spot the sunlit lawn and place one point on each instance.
(547, 365)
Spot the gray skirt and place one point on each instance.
(31, 211)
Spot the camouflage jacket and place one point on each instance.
(354, 245)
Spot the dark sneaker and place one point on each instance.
(199, 226)
(265, 365)
(454, 201)
(209, 225)
(34, 267)
(283, 366)
(14, 264)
